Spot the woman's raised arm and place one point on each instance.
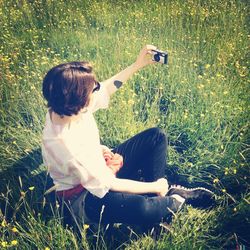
(144, 58)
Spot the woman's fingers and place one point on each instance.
(113, 161)
(149, 51)
(149, 48)
(108, 155)
(117, 158)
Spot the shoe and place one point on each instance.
(177, 203)
(197, 197)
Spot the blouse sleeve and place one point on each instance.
(94, 175)
(101, 99)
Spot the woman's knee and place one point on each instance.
(156, 131)
(159, 133)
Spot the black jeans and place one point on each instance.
(144, 158)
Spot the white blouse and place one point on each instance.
(73, 153)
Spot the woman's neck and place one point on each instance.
(62, 120)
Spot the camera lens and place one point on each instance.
(157, 57)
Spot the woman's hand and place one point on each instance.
(145, 57)
(113, 161)
(162, 187)
(107, 154)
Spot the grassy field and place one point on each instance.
(201, 99)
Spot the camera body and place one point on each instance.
(160, 56)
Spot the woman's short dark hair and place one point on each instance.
(67, 87)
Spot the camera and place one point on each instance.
(160, 56)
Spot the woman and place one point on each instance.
(125, 184)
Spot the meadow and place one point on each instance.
(201, 100)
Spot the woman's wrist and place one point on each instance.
(156, 187)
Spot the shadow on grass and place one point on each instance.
(27, 178)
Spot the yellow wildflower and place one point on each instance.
(235, 209)
(31, 188)
(201, 86)
(14, 230)
(216, 180)
(4, 223)
(207, 66)
(46, 248)
(4, 243)
(14, 242)
(224, 190)
(85, 226)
